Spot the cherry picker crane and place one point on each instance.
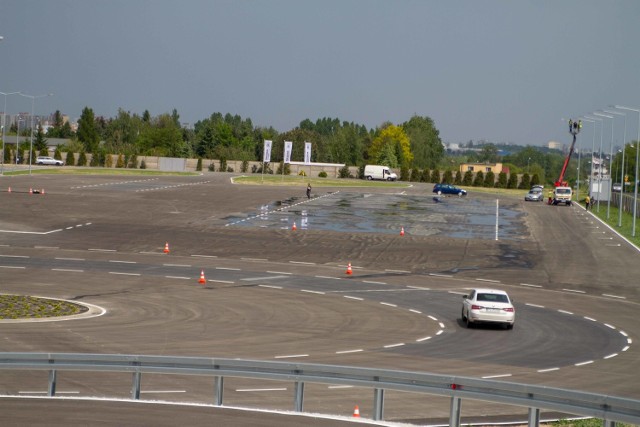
(574, 129)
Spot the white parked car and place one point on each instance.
(43, 160)
(488, 306)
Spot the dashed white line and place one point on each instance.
(625, 348)
(10, 266)
(124, 274)
(610, 356)
(122, 262)
(278, 272)
(548, 370)
(440, 275)
(486, 377)
(178, 277)
(590, 318)
(260, 389)
(291, 356)
(613, 296)
(339, 386)
(432, 318)
(531, 286)
(227, 268)
(441, 325)
(487, 280)
(70, 270)
(269, 286)
(397, 271)
(358, 350)
(564, 311)
(101, 250)
(253, 279)
(388, 304)
(254, 259)
(14, 256)
(423, 339)
(440, 332)
(418, 288)
(415, 311)
(328, 277)
(574, 291)
(534, 305)
(609, 326)
(400, 344)
(588, 362)
(312, 292)
(221, 281)
(161, 391)
(176, 265)
(355, 298)
(371, 282)
(204, 256)
(302, 262)
(70, 259)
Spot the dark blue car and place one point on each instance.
(448, 189)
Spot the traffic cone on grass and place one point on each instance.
(349, 271)
(202, 280)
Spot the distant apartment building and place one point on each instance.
(496, 168)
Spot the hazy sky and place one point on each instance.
(505, 71)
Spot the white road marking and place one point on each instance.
(575, 291)
(163, 391)
(418, 288)
(611, 355)
(441, 325)
(269, 286)
(252, 279)
(609, 326)
(590, 318)
(10, 266)
(291, 356)
(534, 305)
(373, 283)
(254, 259)
(71, 270)
(70, 259)
(312, 292)
(548, 370)
(532, 286)
(14, 256)
(178, 277)
(623, 333)
(349, 351)
(220, 281)
(339, 386)
(613, 296)
(46, 392)
(388, 304)
(205, 256)
(440, 332)
(355, 298)
(176, 265)
(396, 271)
(124, 274)
(564, 311)
(260, 389)
(440, 275)
(487, 280)
(227, 268)
(415, 311)
(584, 363)
(433, 318)
(400, 344)
(101, 250)
(302, 262)
(486, 377)
(278, 272)
(625, 348)
(123, 262)
(423, 339)
(328, 277)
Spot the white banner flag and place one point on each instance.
(266, 158)
(307, 153)
(288, 146)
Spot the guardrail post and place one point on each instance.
(534, 417)
(52, 383)
(298, 400)
(135, 388)
(608, 423)
(454, 415)
(378, 404)
(218, 386)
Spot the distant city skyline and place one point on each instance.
(505, 72)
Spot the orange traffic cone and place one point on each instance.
(294, 228)
(166, 248)
(9, 190)
(349, 271)
(30, 190)
(202, 280)
(402, 231)
(356, 412)
(42, 192)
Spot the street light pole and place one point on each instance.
(610, 159)
(4, 125)
(624, 145)
(33, 103)
(635, 177)
(593, 145)
(599, 161)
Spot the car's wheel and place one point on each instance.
(439, 193)
(469, 324)
(508, 326)
(369, 178)
(459, 193)
(464, 319)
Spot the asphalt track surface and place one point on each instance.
(277, 294)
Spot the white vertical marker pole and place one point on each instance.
(497, 208)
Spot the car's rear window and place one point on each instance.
(492, 298)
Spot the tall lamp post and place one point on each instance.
(635, 177)
(610, 160)
(624, 145)
(593, 147)
(33, 104)
(4, 125)
(599, 160)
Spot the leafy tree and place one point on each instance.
(489, 153)
(40, 142)
(535, 180)
(478, 181)
(57, 154)
(502, 180)
(70, 159)
(120, 162)
(526, 182)
(425, 143)
(435, 176)
(344, 172)
(199, 164)
(458, 178)
(108, 161)
(468, 178)
(447, 177)
(513, 181)
(426, 176)
(82, 158)
(489, 179)
(87, 131)
(404, 173)
(415, 175)
(391, 147)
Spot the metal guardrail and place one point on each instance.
(608, 408)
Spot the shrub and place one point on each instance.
(302, 173)
(322, 174)
(502, 180)
(468, 178)
(415, 175)
(404, 173)
(513, 181)
(70, 160)
(223, 164)
(82, 158)
(57, 154)
(108, 161)
(199, 164)
(435, 176)
(344, 172)
(120, 162)
(245, 166)
(489, 179)
(425, 176)
(479, 179)
(447, 177)
(254, 168)
(229, 169)
(361, 172)
(458, 179)
(287, 169)
(143, 164)
(526, 182)
(212, 167)
(133, 161)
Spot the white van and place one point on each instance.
(379, 172)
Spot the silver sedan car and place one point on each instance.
(488, 306)
(535, 195)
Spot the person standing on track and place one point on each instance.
(587, 202)
(309, 191)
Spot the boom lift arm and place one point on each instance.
(574, 129)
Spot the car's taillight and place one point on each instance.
(509, 309)
(476, 307)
